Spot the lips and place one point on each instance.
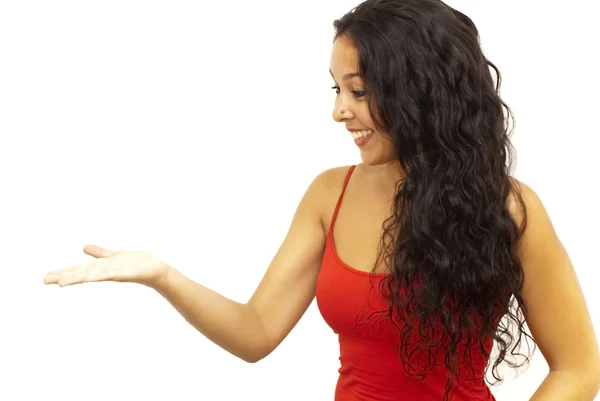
(360, 134)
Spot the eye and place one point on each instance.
(337, 89)
(358, 94)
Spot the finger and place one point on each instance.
(96, 276)
(98, 252)
(91, 276)
(51, 278)
(75, 268)
(96, 270)
(70, 279)
(54, 276)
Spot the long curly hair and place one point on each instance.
(450, 244)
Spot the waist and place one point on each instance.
(372, 371)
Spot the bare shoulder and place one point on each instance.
(513, 203)
(289, 284)
(525, 206)
(531, 216)
(326, 187)
(332, 176)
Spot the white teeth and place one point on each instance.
(361, 134)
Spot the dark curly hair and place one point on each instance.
(451, 243)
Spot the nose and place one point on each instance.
(341, 112)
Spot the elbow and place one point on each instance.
(586, 379)
(256, 354)
(254, 357)
(593, 384)
(258, 344)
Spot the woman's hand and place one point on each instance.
(130, 266)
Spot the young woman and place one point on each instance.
(425, 254)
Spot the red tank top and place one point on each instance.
(371, 369)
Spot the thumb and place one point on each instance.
(98, 252)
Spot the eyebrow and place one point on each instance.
(347, 76)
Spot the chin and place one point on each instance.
(371, 159)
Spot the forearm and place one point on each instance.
(233, 326)
(567, 386)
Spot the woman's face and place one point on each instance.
(351, 106)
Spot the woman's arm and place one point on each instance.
(557, 314)
(253, 330)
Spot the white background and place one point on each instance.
(191, 130)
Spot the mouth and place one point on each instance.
(361, 138)
(361, 134)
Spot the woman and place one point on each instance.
(422, 256)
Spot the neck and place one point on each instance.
(388, 171)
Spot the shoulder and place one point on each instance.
(332, 177)
(522, 200)
(516, 198)
(329, 182)
(529, 213)
(325, 188)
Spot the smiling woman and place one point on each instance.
(351, 103)
(423, 256)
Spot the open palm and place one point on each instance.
(131, 266)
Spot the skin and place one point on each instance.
(380, 162)
(558, 316)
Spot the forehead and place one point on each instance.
(344, 56)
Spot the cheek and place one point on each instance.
(385, 140)
(365, 117)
